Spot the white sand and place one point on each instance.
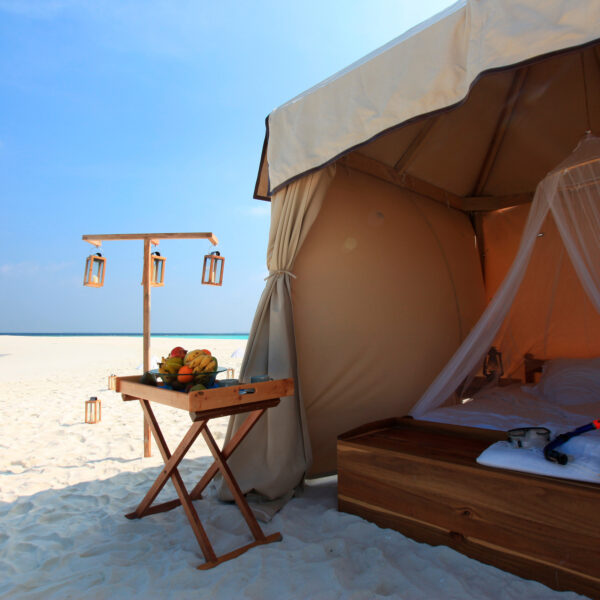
(65, 487)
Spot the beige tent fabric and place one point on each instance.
(552, 315)
(273, 458)
(389, 284)
(429, 68)
(570, 196)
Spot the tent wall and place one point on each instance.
(388, 284)
(552, 315)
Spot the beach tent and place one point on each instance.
(400, 188)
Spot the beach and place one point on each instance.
(65, 486)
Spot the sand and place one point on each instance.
(65, 486)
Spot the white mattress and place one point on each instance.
(505, 408)
(513, 406)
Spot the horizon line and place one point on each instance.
(169, 333)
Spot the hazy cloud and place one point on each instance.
(262, 209)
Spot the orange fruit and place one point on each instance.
(185, 374)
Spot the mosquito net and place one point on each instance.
(547, 285)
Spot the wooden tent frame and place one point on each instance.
(148, 239)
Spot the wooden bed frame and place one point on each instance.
(422, 479)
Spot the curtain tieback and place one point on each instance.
(279, 272)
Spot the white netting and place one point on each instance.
(571, 195)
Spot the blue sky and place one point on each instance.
(130, 116)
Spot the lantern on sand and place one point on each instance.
(158, 270)
(93, 410)
(212, 272)
(94, 270)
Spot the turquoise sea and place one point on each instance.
(201, 336)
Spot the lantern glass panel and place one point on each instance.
(218, 271)
(212, 272)
(94, 271)
(158, 270)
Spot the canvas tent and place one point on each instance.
(400, 188)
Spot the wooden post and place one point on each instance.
(146, 284)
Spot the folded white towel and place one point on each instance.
(583, 465)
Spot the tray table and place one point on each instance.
(252, 398)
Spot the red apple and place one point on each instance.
(206, 352)
(178, 352)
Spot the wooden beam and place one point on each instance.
(477, 220)
(501, 128)
(146, 282)
(487, 203)
(414, 145)
(98, 238)
(373, 167)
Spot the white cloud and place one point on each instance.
(262, 209)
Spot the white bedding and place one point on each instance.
(515, 405)
(518, 405)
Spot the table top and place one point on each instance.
(222, 400)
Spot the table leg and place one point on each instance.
(233, 486)
(185, 499)
(170, 471)
(227, 451)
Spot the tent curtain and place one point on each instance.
(275, 455)
(571, 192)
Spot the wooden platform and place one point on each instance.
(421, 479)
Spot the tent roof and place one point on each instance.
(425, 79)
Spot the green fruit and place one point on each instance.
(148, 379)
(198, 387)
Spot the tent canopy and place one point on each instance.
(454, 104)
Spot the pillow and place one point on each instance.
(570, 381)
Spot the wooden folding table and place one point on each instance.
(254, 399)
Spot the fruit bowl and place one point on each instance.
(207, 378)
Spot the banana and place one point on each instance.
(196, 361)
(202, 361)
(172, 365)
(211, 366)
(191, 356)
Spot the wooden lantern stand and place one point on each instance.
(148, 239)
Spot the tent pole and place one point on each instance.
(146, 284)
(501, 127)
(403, 162)
(477, 221)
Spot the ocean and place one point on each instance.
(200, 336)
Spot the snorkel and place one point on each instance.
(554, 455)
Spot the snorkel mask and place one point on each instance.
(529, 437)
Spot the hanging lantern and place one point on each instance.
(212, 272)
(157, 278)
(94, 270)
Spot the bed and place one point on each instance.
(421, 477)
